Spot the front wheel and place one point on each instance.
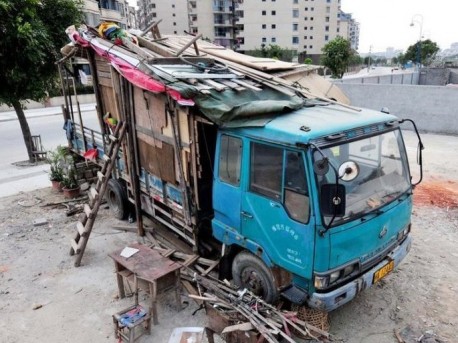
(250, 272)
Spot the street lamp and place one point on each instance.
(418, 19)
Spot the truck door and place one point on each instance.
(276, 208)
(226, 186)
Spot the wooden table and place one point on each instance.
(155, 273)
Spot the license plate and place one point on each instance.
(384, 271)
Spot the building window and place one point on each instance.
(310, 46)
(311, 28)
(264, 26)
(312, 8)
(264, 39)
(154, 15)
(328, 1)
(327, 19)
(174, 32)
(173, 14)
(264, 12)
(338, 29)
(328, 9)
(295, 40)
(274, 26)
(326, 37)
(306, 18)
(174, 24)
(311, 18)
(295, 13)
(306, 8)
(295, 1)
(305, 37)
(173, 6)
(305, 27)
(273, 39)
(326, 28)
(274, 12)
(295, 27)
(311, 37)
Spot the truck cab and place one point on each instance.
(322, 193)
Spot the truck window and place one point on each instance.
(230, 160)
(296, 192)
(266, 170)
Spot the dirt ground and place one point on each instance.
(44, 298)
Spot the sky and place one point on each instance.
(387, 23)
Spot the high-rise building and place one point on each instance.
(116, 11)
(304, 26)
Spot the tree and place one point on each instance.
(33, 31)
(272, 51)
(428, 50)
(336, 57)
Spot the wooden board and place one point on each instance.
(158, 161)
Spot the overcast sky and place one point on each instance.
(387, 23)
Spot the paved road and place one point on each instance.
(48, 123)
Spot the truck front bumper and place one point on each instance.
(336, 298)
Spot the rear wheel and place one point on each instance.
(116, 197)
(248, 271)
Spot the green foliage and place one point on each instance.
(308, 60)
(394, 61)
(273, 51)
(428, 50)
(336, 56)
(57, 159)
(33, 31)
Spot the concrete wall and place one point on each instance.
(53, 102)
(408, 78)
(433, 108)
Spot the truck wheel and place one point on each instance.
(248, 271)
(117, 199)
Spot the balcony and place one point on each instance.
(110, 15)
(223, 23)
(91, 6)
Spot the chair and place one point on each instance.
(37, 148)
(133, 322)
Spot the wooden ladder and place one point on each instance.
(84, 226)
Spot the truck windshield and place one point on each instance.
(381, 173)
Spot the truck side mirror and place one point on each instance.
(332, 200)
(419, 150)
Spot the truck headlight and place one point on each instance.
(333, 278)
(404, 232)
(321, 282)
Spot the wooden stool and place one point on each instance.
(131, 331)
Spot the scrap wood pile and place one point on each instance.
(239, 310)
(249, 312)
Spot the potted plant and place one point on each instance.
(71, 188)
(55, 158)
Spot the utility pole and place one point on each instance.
(369, 62)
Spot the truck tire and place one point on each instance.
(248, 271)
(116, 197)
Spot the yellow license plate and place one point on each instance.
(384, 271)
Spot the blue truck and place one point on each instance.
(300, 196)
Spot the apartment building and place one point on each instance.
(349, 28)
(304, 26)
(117, 11)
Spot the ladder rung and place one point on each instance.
(88, 211)
(113, 138)
(94, 194)
(106, 158)
(81, 229)
(100, 176)
(75, 246)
